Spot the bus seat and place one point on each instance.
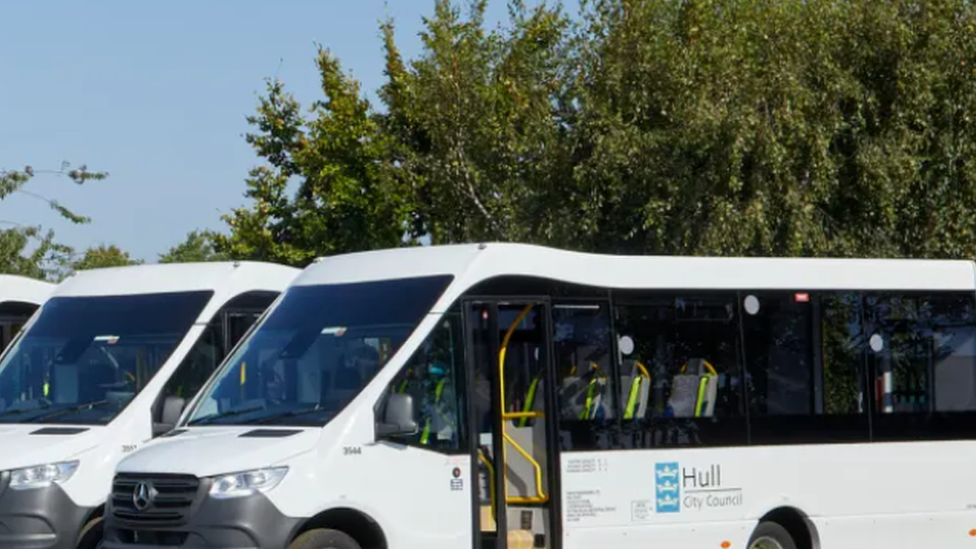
(572, 396)
(684, 395)
(637, 390)
(584, 396)
(709, 393)
(693, 395)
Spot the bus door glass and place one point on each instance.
(509, 350)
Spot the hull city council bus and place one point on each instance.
(107, 363)
(493, 396)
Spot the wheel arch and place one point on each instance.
(797, 523)
(355, 523)
(98, 513)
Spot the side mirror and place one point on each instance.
(399, 417)
(172, 410)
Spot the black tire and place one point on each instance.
(770, 535)
(91, 534)
(324, 539)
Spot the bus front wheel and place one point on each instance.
(324, 539)
(770, 535)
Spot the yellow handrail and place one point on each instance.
(504, 350)
(707, 365)
(541, 497)
(517, 415)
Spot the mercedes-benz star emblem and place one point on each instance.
(142, 496)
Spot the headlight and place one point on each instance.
(247, 483)
(42, 476)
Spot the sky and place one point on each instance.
(156, 94)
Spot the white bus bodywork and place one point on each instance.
(343, 476)
(53, 513)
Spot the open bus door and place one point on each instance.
(514, 436)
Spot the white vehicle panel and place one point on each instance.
(622, 495)
(471, 264)
(220, 450)
(23, 289)
(20, 449)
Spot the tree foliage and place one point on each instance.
(197, 248)
(100, 257)
(346, 199)
(722, 127)
(30, 250)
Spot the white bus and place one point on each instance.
(19, 299)
(107, 364)
(514, 396)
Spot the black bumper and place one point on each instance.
(251, 522)
(42, 518)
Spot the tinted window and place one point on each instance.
(953, 321)
(921, 363)
(316, 351)
(582, 345)
(685, 350)
(778, 331)
(901, 345)
(85, 358)
(223, 331)
(844, 378)
(434, 377)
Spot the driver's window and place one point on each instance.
(434, 377)
(223, 332)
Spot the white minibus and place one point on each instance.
(512, 396)
(105, 365)
(19, 299)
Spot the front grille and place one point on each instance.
(171, 497)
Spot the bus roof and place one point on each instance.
(24, 290)
(474, 263)
(238, 277)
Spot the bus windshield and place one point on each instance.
(85, 358)
(315, 352)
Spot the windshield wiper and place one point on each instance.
(229, 413)
(70, 410)
(285, 415)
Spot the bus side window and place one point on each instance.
(844, 392)
(581, 342)
(678, 356)
(921, 349)
(222, 333)
(778, 338)
(434, 378)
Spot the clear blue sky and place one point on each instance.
(156, 93)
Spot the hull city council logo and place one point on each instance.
(692, 488)
(667, 490)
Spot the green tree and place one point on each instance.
(100, 257)
(715, 127)
(29, 250)
(345, 200)
(198, 247)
